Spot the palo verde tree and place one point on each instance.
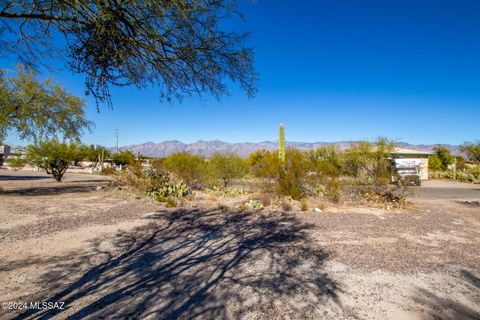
(227, 167)
(39, 109)
(471, 150)
(176, 45)
(368, 162)
(52, 156)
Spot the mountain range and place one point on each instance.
(243, 149)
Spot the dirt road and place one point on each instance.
(107, 256)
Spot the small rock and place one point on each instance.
(99, 188)
(318, 210)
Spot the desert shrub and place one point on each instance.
(464, 176)
(333, 190)
(257, 160)
(368, 163)
(226, 168)
(265, 199)
(474, 170)
(326, 161)
(156, 183)
(286, 206)
(436, 175)
(370, 166)
(460, 163)
(187, 167)
(16, 162)
(292, 176)
(445, 156)
(450, 175)
(388, 196)
(52, 156)
(434, 163)
(289, 178)
(253, 205)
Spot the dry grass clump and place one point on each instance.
(303, 205)
(265, 199)
(333, 190)
(387, 197)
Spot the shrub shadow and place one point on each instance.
(198, 264)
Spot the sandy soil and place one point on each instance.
(109, 256)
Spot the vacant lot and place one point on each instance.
(109, 256)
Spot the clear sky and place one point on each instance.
(330, 70)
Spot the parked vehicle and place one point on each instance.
(406, 171)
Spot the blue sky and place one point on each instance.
(330, 70)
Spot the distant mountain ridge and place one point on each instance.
(243, 149)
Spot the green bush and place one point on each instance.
(460, 163)
(464, 176)
(257, 160)
(326, 161)
(16, 162)
(226, 168)
(289, 178)
(123, 158)
(460, 176)
(445, 156)
(474, 170)
(434, 163)
(187, 167)
(450, 175)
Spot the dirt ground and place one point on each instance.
(105, 255)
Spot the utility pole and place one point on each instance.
(116, 136)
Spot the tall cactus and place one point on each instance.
(281, 144)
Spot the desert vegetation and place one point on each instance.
(265, 178)
(444, 165)
(282, 177)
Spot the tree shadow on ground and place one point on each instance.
(437, 307)
(199, 264)
(21, 178)
(60, 188)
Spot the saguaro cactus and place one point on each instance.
(281, 144)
